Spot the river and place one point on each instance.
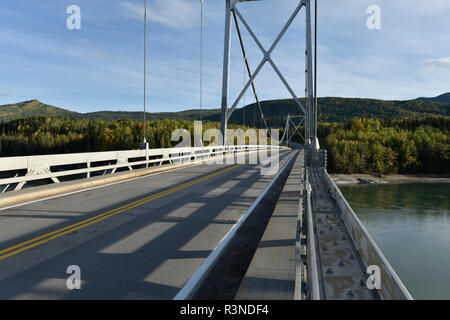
(411, 225)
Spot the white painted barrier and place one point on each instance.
(62, 165)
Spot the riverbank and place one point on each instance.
(343, 179)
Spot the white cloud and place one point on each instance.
(436, 73)
(438, 63)
(178, 14)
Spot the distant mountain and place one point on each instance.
(442, 98)
(330, 109)
(189, 115)
(34, 107)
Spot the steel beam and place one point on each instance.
(226, 70)
(309, 77)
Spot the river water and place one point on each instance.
(411, 225)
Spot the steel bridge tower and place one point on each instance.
(308, 113)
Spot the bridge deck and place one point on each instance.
(152, 235)
(272, 271)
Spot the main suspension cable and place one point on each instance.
(248, 70)
(285, 129)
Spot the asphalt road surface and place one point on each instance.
(139, 239)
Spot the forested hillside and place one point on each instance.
(377, 146)
(357, 146)
(34, 108)
(48, 135)
(344, 109)
(275, 111)
(441, 98)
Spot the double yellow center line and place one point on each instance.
(24, 246)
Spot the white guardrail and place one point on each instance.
(15, 172)
(392, 287)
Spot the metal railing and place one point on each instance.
(391, 287)
(311, 251)
(15, 172)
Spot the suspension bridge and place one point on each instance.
(156, 223)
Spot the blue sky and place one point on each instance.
(100, 66)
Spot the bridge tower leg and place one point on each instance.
(226, 71)
(311, 118)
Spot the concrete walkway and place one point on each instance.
(272, 271)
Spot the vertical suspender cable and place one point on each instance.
(201, 62)
(315, 71)
(243, 102)
(145, 67)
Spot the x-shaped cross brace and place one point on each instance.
(267, 58)
(296, 127)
